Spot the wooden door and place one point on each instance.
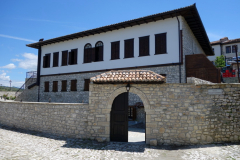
(119, 119)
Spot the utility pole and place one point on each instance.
(238, 72)
(10, 85)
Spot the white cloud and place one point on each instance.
(29, 63)
(9, 66)
(16, 60)
(3, 77)
(4, 81)
(18, 38)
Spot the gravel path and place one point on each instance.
(20, 144)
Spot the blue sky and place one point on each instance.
(26, 21)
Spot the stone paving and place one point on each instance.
(21, 144)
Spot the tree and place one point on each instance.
(220, 61)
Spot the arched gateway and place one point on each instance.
(117, 101)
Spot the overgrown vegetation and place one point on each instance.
(220, 61)
(5, 96)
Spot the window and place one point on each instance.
(213, 50)
(73, 85)
(55, 59)
(87, 53)
(144, 46)
(72, 59)
(55, 86)
(64, 58)
(115, 50)
(234, 49)
(46, 60)
(46, 86)
(64, 85)
(98, 52)
(129, 48)
(161, 43)
(228, 49)
(86, 84)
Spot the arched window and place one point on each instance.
(88, 53)
(98, 56)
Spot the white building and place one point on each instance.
(225, 47)
(157, 42)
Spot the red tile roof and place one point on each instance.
(225, 40)
(128, 76)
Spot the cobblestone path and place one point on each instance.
(20, 144)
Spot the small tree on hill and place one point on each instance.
(220, 61)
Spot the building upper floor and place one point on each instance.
(225, 47)
(147, 41)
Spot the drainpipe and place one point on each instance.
(39, 69)
(179, 40)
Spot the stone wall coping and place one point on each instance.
(44, 103)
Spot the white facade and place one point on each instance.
(217, 52)
(169, 26)
(231, 54)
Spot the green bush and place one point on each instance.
(5, 95)
(12, 98)
(7, 98)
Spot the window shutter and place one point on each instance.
(55, 86)
(70, 58)
(48, 60)
(44, 61)
(75, 56)
(64, 85)
(141, 43)
(86, 84)
(85, 56)
(55, 59)
(100, 53)
(160, 43)
(64, 58)
(128, 48)
(144, 46)
(73, 85)
(115, 50)
(92, 57)
(113, 46)
(46, 86)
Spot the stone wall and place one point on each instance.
(61, 119)
(178, 114)
(29, 95)
(230, 80)
(190, 46)
(81, 96)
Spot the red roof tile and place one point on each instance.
(128, 76)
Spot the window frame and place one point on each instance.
(98, 51)
(47, 60)
(87, 53)
(115, 54)
(46, 89)
(125, 48)
(72, 57)
(73, 85)
(65, 86)
(64, 58)
(55, 60)
(160, 49)
(229, 49)
(142, 48)
(55, 86)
